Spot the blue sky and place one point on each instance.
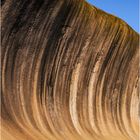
(128, 10)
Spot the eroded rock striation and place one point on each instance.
(69, 72)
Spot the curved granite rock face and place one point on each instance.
(69, 72)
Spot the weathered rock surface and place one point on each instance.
(69, 72)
